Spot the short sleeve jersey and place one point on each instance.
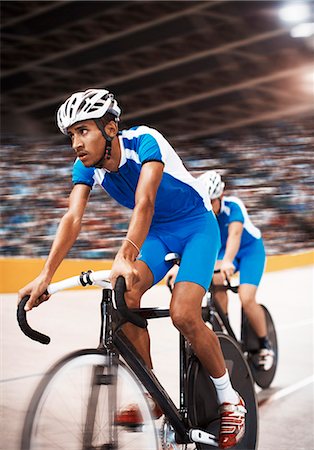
(179, 193)
(233, 210)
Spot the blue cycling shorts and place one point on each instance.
(196, 239)
(250, 262)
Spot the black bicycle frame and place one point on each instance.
(113, 338)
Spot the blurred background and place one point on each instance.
(229, 83)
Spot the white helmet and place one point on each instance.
(212, 180)
(88, 105)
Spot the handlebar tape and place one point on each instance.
(169, 285)
(27, 330)
(228, 285)
(122, 307)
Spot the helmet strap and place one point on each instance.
(107, 149)
(219, 205)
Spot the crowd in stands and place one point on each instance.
(268, 166)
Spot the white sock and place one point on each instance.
(225, 391)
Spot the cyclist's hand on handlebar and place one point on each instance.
(126, 268)
(171, 276)
(36, 290)
(227, 269)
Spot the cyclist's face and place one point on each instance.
(87, 142)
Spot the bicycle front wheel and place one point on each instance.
(75, 404)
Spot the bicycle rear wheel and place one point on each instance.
(202, 399)
(263, 378)
(74, 406)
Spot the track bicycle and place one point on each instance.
(75, 404)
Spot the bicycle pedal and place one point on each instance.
(203, 437)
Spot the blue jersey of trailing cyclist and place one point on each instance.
(250, 259)
(233, 210)
(179, 194)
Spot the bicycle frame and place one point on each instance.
(112, 337)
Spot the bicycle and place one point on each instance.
(75, 403)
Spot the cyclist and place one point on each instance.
(242, 250)
(171, 212)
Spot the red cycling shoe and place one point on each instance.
(232, 423)
(131, 416)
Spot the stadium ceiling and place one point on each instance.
(189, 68)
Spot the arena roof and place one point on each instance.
(188, 68)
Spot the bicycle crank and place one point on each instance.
(167, 436)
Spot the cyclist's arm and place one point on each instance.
(235, 230)
(66, 236)
(150, 177)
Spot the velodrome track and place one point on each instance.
(71, 319)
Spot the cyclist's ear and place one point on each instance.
(111, 128)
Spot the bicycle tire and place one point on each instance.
(202, 398)
(74, 405)
(263, 378)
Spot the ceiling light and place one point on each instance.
(303, 30)
(308, 81)
(295, 12)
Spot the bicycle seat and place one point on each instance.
(175, 258)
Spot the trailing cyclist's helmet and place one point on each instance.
(89, 105)
(212, 180)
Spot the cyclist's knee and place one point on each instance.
(183, 320)
(247, 294)
(185, 310)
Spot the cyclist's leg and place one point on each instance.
(198, 259)
(196, 268)
(252, 263)
(195, 272)
(185, 309)
(251, 266)
(253, 311)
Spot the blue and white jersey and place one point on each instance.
(179, 194)
(233, 210)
